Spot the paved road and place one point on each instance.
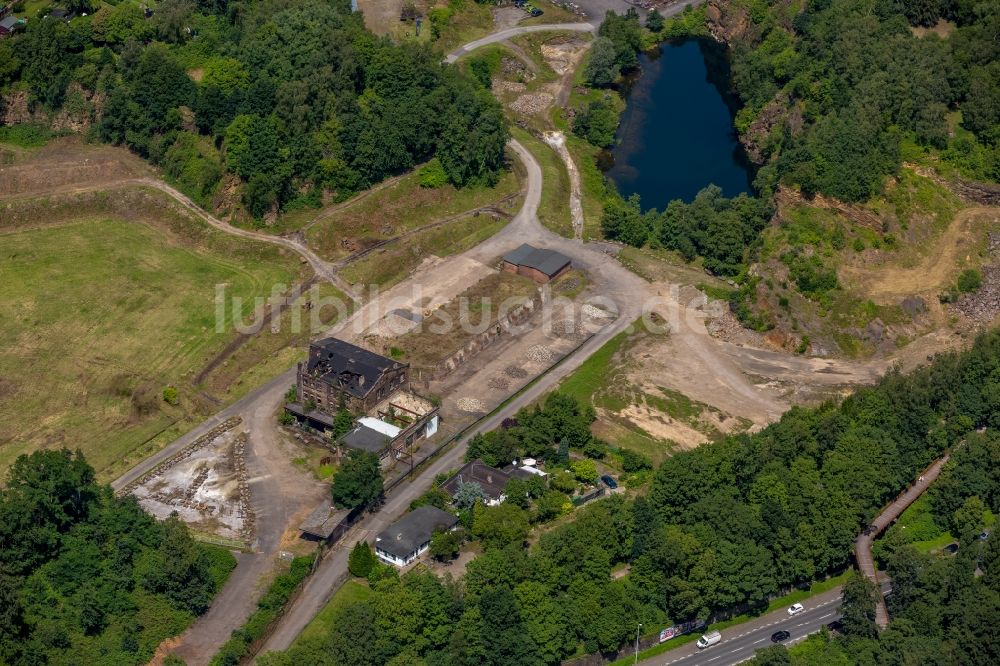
(863, 544)
(741, 641)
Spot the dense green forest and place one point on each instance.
(723, 528)
(293, 97)
(86, 578)
(859, 85)
(835, 95)
(944, 609)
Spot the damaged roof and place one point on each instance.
(349, 367)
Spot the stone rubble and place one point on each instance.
(539, 353)
(471, 405)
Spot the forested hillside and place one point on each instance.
(833, 88)
(836, 94)
(723, 527)
(876, 128)
(945, 609)
(290, 97)
(89, 579)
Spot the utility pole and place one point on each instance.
(637, 642)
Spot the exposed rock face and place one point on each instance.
(77, 112)
(754, 140)
(726, 23)
(14, 108)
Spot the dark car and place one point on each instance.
(951, 548)
(836, 626)
(609, 482)
(779, 636)
(536, 12)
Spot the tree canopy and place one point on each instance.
(358, 482)
(292, 96)
(88, 578)
(724, 526)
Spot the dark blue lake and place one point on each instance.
(676, 134)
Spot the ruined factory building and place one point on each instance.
(338, 372)
(539, 264)
(410, 536)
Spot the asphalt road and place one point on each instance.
(619, 284)
(741, 642)
(276, 498)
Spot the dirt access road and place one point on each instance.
(625, 291)
(277, 487)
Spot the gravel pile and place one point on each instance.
(471, 405)
(515, 371)
(567, 328)
(539, 354)
(983, 305)
(592, 311)
(569, 285)
(500, 87)
(499, 383)
(532, 103)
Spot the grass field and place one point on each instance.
(399, 208)
(391, 264)
(101, 313)
(321, 625)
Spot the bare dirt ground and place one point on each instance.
(66, 163)
(954, 249)
(204, 489)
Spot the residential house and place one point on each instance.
(410, 536)
(492, 480)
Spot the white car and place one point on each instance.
(795, 609)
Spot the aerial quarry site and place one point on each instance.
(520, 332)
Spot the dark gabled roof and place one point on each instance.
(324, 520)
(548, 262)
(348, 367)
(365, 439)
(490, 479)
(414, 530)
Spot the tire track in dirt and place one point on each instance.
(935, 268)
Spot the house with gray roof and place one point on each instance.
(410, 537)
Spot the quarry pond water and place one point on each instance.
(676, 134)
